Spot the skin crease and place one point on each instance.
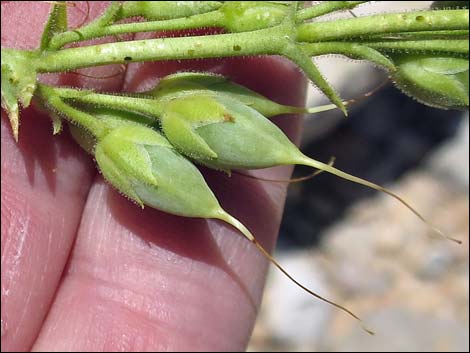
(85, 269)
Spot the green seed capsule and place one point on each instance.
(142, 164)
(225, 134)
(440, 82)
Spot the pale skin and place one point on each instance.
(83, 268)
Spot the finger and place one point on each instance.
(45, 181)
(146, 280)
(44, 187)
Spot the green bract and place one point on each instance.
(183, 116)
(436, 81)
(18, 83)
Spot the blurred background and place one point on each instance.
(362, 248)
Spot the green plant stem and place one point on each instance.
(371, 51)
(211, 19)
(363, 27)
(148, 106)
(53, 101)
(456, 46)
(455, 34)
(351, 50)
(102, 26)
(166, 9)
(262, 42)
(325, 8)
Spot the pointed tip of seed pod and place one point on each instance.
(341, 106)
(367, 330)
(15, 135)
(442, 234)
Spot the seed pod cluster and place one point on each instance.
(136, 159)
(146, 165)
(210, 121)
(194, 117)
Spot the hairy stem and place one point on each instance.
(456, 46)
(383, 24)
(138, 105)
(326, 7)
(54, 102)
(211, 19)
(262, 42)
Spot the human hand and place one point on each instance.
(85, 269)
